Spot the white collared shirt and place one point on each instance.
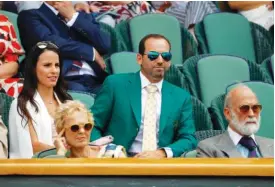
(235, 137)
(137, 144)
(86, 69)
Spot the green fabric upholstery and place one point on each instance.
(192, 77)
(202, 118)
(216, 112)
(201, 135)
(124, 62)
(265, 94)
(262, 40)
(188, 45)
(83, 97)
(13, 19)
(267, 67)
(219, 71)
(45, 153)
(173, 75)
(5, 102)
(166, 25)
(272, 63)
(228, 33)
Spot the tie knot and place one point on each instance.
(248, 142)
(151, 88)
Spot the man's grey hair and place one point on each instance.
(228, 97)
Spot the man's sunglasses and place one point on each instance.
(43, 45)
(87, 127)
(153, 55)
(255, 108)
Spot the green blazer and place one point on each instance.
(117, 112)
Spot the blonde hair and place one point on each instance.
(67, 109)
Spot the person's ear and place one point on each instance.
(226, 112)
(139, 59)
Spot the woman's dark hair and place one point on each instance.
(31, 81)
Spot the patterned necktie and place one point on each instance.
(149, 142)
(249, 143)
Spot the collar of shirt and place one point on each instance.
(237, 137)
(145, 82)
(52, 8)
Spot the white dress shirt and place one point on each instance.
(86, 68)
(235, 137)
(137, 144)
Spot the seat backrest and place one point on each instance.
(265, 95)
(272, 63)
(163, 24)
(46, 153)
(83, 97)
(5, 103)
(216, 72)
(229, 33)
(124, 62)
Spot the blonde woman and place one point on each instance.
(74, 124)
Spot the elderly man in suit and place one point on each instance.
(243, 112)
(150, 117)
(78, 37)
(3, 140)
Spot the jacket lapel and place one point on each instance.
(227, 146)
(265, 148)
(134, 90)
(166, 105)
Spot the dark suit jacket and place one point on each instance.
(222, 146)
(75, 43)
(117, 112)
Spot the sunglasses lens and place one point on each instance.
(244, 108)
(153, 55)
(88, 126)
(167, 56)
(74, 128)
(257, 108)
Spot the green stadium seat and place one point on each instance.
(208, 75)
(268, 66)
(233, 34)
(124, 62)
(5, 103)
(130, 33)
(83, 97)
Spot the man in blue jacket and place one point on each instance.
(78, 36)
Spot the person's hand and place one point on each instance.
(65, 9)
(61, 144)
(82, 7)
(99, 60)
(270, 5)
(160, 153)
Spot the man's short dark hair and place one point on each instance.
(141, 47)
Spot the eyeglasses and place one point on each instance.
(255, 108)
(153, 55)
(43, 45)
(87, 127)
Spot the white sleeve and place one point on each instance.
(71, 22)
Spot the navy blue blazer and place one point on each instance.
(75, 43)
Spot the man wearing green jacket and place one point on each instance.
(150, 117)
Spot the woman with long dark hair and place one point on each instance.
(31, 123)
